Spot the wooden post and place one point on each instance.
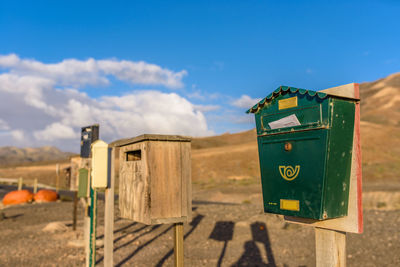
(178, 244)
(86, 232)
(20, 183)
(109, 213)
(75, 210)
(330, 248)
(35, 186)
(57, 177)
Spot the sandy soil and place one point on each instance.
(228, 228)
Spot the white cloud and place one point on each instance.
(207, 108)
(4, 125)
(73, 72)
(56, 131)
(18, 135)
(142, 73)
(245, 101)
(41, 103)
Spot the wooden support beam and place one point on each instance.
(330, 248)
(57, 177)
(109, 213)
(20, 183)
(178, 245)
(75, 211)
(86, 232)
(35, 185)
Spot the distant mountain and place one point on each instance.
(226, 139)
(13, 155)
(380, 101)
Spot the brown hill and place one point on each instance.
(224, 139)
(381, 101)
(235, 156)
(12, 155)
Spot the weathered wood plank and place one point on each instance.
(178, 245)
(150, 137)
(186, 170)
(109, 215)
(86, 233)
(134, 189)
(330, 248)
(164, 159)
(74, 179)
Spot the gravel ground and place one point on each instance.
(219, 234)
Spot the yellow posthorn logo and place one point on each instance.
(288, 172)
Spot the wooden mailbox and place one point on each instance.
(155, 179)
(74, 176)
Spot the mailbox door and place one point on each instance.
(83, 182)
(292, 171)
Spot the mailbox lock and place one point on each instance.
(288, 146)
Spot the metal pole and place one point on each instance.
(93, 219)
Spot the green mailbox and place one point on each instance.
(83, 182)
(305, 141)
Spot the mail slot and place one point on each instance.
(305, 141)
(155, 179)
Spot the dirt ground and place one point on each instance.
(228, 229)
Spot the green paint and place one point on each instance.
(93, 226)
(321, 148)
(83, 182)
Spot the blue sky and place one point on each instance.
(222, 51)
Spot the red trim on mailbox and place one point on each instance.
(359, 163)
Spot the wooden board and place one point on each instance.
(74, 179)
(150, 137)
(109, 216)
(353, 222)
(164, 161)
(330, 248)
(134, 187)
(186, 180)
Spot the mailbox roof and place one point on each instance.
(150, 137)
(284, 89)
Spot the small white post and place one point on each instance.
(57, 177)
(20, 183)
(35, 186)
